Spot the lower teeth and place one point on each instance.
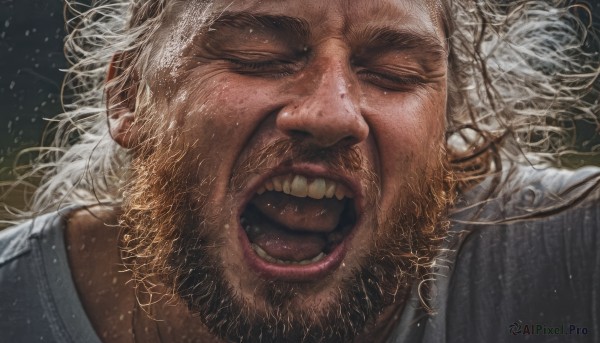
(263, 254)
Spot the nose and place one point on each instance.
(326, 114)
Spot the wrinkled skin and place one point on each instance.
(364, 83)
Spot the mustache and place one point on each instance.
(339, 159)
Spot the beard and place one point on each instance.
(174, 244)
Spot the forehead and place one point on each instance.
(325, 16)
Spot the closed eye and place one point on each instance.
(390, 81)
(275, 68)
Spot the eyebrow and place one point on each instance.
(401, 39)
(281, 25)
(372, 39)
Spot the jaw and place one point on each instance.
(301, 282)
(208, 255)
(309, 290)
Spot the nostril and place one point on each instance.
(348, 141)
(299, 134)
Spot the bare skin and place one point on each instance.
(108, 297)
(365, 74)
(106, 292)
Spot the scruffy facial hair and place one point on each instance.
(171, 238)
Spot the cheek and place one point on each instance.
(408, 130)
(209, 115)
(215, 115)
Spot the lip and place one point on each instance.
(292, 273)
(308, 272)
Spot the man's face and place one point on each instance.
(292, 182)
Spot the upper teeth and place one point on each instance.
(301, 186)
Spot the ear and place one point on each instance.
(121, 93)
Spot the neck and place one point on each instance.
(108, 294)
(113, 306)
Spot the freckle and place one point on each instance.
(342, 95)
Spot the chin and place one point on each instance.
(307, 254)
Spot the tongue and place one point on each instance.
(291, 228)
(302, 214)
(279, 242)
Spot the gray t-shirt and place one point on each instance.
(38, 299)
(523, 265)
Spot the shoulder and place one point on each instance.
(527, 193)
(16, 241)
(39, 297)
(530, 258)
(24, 283)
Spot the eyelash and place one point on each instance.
(280, 68)
(271, 68)
(392, 82)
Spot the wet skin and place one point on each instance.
(368, 74)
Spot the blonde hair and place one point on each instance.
(519, 72)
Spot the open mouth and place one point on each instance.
(295, 227)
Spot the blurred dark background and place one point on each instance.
(31, 59)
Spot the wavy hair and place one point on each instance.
(520, 74)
